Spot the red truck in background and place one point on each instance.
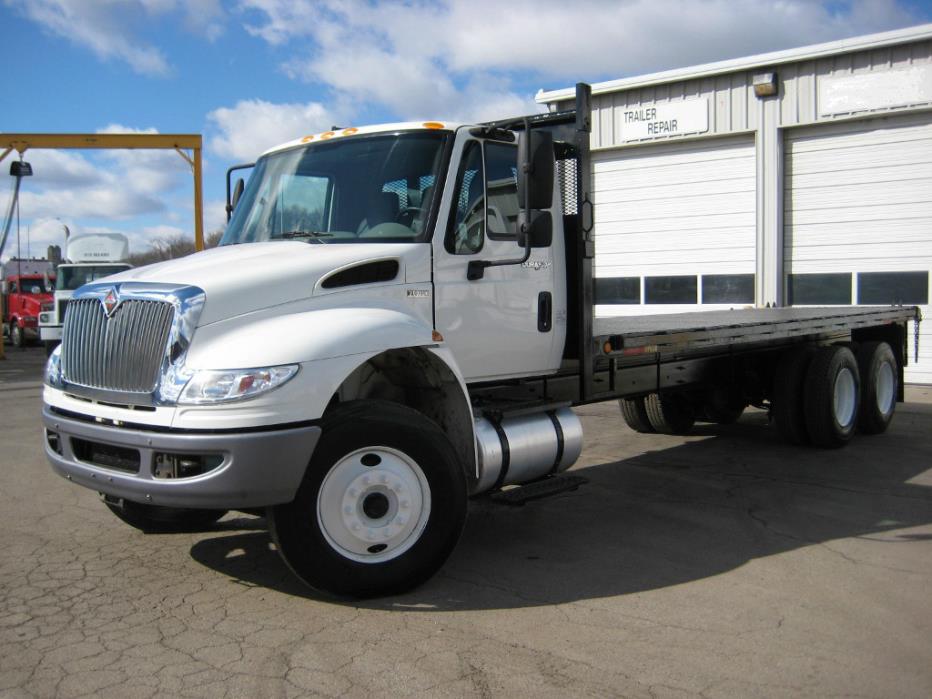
(27, 285)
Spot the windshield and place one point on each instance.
(33, 285)
(349, 190)
(70, 278)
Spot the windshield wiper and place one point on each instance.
(306, 234)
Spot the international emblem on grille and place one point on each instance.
(111, 301)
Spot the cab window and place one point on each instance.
(467, 226)
(501, 161)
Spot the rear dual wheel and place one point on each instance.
(822, 395)
(832, 396)
(879, 386)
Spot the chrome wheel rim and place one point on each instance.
(373, 504)
(885, 388)
(845, 398)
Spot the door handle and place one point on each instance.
(544, 312)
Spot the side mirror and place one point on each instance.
(539, 229)
(237, 193)
(4, 287)
(535, 148)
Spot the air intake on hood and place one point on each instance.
(382, 271)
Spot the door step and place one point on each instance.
(516, 497)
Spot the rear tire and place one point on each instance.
(381, 506)
(832, 395)
(788, 391)
(669, 413)
(635, 415)
(156, 519)
(879, 386)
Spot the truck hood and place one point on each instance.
(239, 279)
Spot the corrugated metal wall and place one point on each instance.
(733, 107)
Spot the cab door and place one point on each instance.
(504, 324)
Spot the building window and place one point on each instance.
(819, 289)
(673, 289)
(727, 288)
(617, 290)
(885, 288)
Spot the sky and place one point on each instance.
(248, 74)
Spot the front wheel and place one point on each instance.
(381, 506)
(16, 335)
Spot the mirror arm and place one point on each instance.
(230, 171)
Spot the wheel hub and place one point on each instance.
(373, 504)
(885, 389)
(845, 398)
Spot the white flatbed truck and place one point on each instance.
(401, 317)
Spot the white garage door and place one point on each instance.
(858, 218)
(674, 227)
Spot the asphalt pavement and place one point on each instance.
(724, 564)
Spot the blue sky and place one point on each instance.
(251, 73)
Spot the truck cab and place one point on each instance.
(25, 295)
(88, 258)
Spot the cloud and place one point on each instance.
(112, 30)
(253, 126)
(463, 58)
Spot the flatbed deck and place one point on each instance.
(661, 333)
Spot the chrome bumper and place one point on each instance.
(256, 468)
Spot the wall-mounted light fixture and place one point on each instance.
(765, 84)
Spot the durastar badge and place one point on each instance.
(111, 301)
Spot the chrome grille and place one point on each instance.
(121, 353)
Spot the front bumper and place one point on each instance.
(50, 333)
(256, 468)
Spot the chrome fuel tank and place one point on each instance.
(526, 447)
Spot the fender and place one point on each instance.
(256, 341)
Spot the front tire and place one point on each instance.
(381, 506)
(16, 335)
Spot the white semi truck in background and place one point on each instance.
(398, 318)
(88, 257)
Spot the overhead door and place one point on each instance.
(858, 218)
(674, 227)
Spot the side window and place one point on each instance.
(501, 162)
(467, 222)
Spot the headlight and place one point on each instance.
(235, 384)
(53, 369)
(45, 317)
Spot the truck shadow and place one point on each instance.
(666, 516)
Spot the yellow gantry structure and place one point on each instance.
(182, 143)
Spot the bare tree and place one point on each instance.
(171, 247)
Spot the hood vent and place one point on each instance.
(368, 273)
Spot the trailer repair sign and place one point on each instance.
(664, 119)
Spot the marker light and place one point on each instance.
(432, 125)
(235, 384)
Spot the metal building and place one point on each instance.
(800, 177)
